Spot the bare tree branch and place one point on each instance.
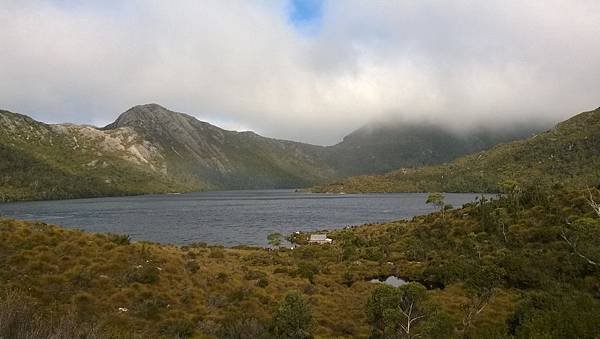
(593, 204)
(573, 244)
(504, 231)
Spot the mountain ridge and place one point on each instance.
(383, 147)
(45, 161)
(565, 154)
(150, 149)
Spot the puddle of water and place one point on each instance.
(391, 280)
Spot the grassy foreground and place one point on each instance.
(524, 265)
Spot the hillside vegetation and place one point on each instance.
(150, 149)
(378, 148)
(147, 150)
(39, 161)
(525, 265)
(568, 154)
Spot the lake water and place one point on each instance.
(229, 217)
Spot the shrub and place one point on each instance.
(144, 274)
(274, 239)
(568, 314)
(240, 327)
(254, 275)
(238, 295)
(149, 306)
(345, 327)
(307, 270)
(208, 326)
(309, 289)
(192, 266)
(348, 278)
(222, 277)
(374, 254)
(389, 309)
(84, 304)
(260, 259)
(262, 282)
(216, 301)
(298, 238)
(82, 278)
(217, 253)
(119, 239)
(292, 318)
(198, 244)
(178, 328)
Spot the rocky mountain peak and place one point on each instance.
(138, 115)
(177, 132)
(154, 118)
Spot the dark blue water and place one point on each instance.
(228, 218)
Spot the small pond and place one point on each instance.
(391, 280)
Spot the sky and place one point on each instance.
(306, 70)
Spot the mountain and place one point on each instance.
(40, 161)
(381, 147)
(198, 151)
(150, 149)
(568, 154)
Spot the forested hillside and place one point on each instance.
(568, 154)
(525, 265)
(381, 147)
(150, 149)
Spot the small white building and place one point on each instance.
(319, 239)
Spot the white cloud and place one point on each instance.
(460, 62)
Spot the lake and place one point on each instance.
(227, 217)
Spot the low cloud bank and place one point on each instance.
(245, 65)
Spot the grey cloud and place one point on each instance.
(460, 63)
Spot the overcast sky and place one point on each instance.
(303, 70)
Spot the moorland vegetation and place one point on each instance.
(525, 264)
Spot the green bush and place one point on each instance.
(307, 270)
(292, 318)
(562, 314)
(390, 310)
(254, 275)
